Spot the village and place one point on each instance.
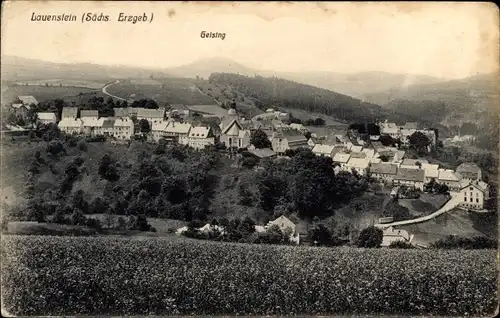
(363, 154)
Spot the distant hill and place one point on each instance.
(474, 91)
(274, 91)
(18, 68)
(205, 67)
(356, 84)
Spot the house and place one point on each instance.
(370, 153)
(410, 177)
(431, 171)
(121, 111)
(360, 155)
(28, 100)
(356, 148)
(262, 153)
(469, 171)
(208, 228)
(89, 114)
(70, 125)
(343, 140)
(177, 131)
(106, 128)
(341, 159)
(233, 134)
(151, 115)
(199, 137)
(384, 172)
(123, 128)
(360, 165)
(91, 125)
(158, 130)
(286, 225)
(288, 139)
(46, 118)
(269, 110)
(20, 109)
(392, 235)
(398, 156)
(324, 150)
(278, 124)
(413, 163)
(390, 129)
(474, 194)
(69, 112)
(298, 127)
(450, 178)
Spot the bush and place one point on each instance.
(370, 237)
(82, 145)
(477, 242)
(400, 244)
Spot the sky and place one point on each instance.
(448, 40)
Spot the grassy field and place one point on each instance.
(209, 109)
(456, 222)
(92, 84)
(424, 205)
(166, 90)
(45, 275)
(305, 115)
(42, 93)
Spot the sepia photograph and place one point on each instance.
(249, 158)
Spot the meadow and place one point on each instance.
(165, 90)
(44, 275)
(92, 84)
(43, 93)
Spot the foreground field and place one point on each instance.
(113, 276)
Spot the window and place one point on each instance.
(470, 188)
(477, 200)
(465, 199)
(470, 199)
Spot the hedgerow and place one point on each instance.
(175, 276)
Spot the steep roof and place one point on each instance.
(121, 111)
(150, 113)
(410, 125)
(356, 148)
(70, 122)
(417, 175)
(341, 157)
(89, 113)
(384, 168)
(124, 122)
(481, 186)
(199, 132)
(412, 162)
(225, 126)
(46, 116)
(108, 123)
(361, 163)
(91, 122)
(323, 149)
(297, 126)
(69, 112)
(360, 155)
(262, 152)
(178, 128)
(28, 100)
(468, 168)
(449, 175)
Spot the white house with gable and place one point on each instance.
(199, 137)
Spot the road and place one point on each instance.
(106, 92)
(452, 203)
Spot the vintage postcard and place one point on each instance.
(249, 158)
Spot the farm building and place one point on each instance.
(46, 118)
(469, 171)
(28, 100)
(474, 194)
(392, 235)
(199, 137)
(69, 113)
(123, 128)
(410, 177)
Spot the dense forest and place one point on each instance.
(284, 93)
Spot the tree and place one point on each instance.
(320, 235)
(260, 140)
(319, 122)
(55, 147)
(144, 126)
(107, 169)
(370, 237)
(419, 141)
